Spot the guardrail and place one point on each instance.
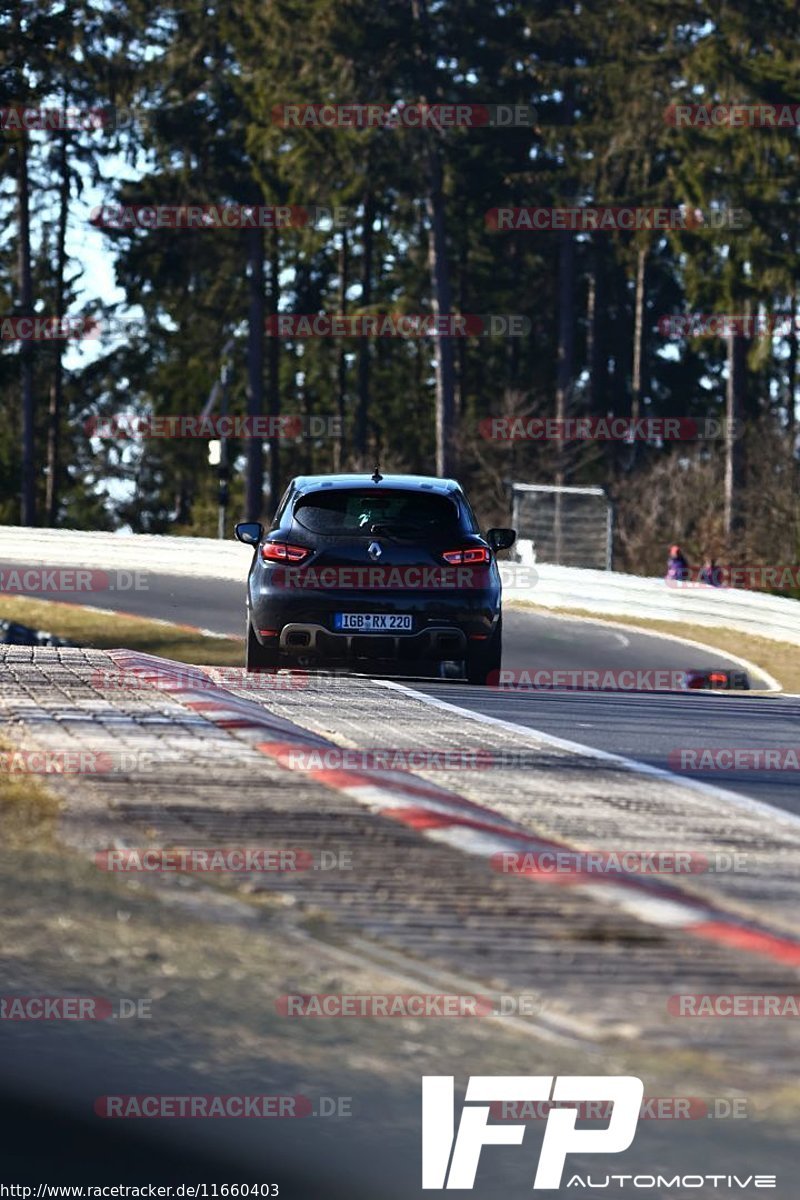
(602, 593)
(198, 557)
(607, 593)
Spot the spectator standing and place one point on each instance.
(677, 566)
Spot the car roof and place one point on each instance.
(410, 483)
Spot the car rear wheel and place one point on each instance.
(258, 657)
(483, 658)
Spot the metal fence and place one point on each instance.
(568, 526)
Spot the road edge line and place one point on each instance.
(774, 685)
(747, 803)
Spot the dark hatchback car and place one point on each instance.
(380, 574)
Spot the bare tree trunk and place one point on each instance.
(462, 343)
(338, 445)
(307, 406)
(591, 335)
(28, 495)
(438, 264)
(735, 465)
(442, 307)
(565, 373)
(57, 386)
(638, 334)
(362, 411)
(273, 367)
(791, 372)
(254, 488)
(565, 367)
(224, 470)
(596, 352)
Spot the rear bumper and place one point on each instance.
(443, 624)
(300, 638)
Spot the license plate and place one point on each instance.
(373, 622)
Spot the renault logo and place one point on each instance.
(374, 550)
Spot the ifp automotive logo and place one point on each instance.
(440, 1149)
(450, 1159)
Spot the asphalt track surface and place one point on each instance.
(650, 728)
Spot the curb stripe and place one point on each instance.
(451, 818)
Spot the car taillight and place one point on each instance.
(471, 554)
(283, 552)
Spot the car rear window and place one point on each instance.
(372, 510)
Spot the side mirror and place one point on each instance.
(249, 532)
(501, 539)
